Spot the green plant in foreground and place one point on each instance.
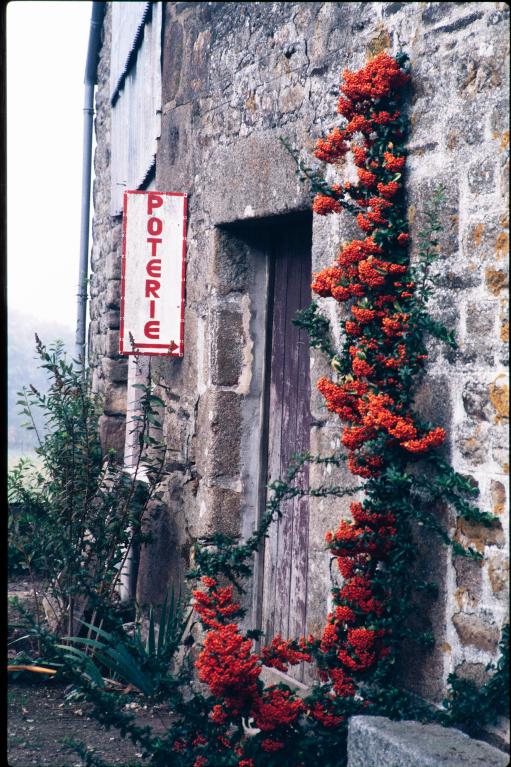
(130, 659)
(73, 522)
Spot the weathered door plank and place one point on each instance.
(286, 553)
(275, 425)
(300, 541)
(288, 441)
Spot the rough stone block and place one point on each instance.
(500, 117)
(175, 157)
(113, 294)
(227, 347)
(262, 180)
(481, 319)
(461, 23)
(501, 456)
(317, 596)
(499, 397)
(292, 98)
(326, 512)
(420, 194)
(454, 278)
(475, 73)
(116, 235)
(504, 321)
(481, 176)
(472, 353)
(113, 319)
(158, 560)
(421, 669)
(172, 60)
(467, 126)
(115, 370)
(375, 741)
(220, 511)
(390, 8)
(497, 16)
(498, 573)
(479, 536)
(94, 328)
(435, 12)
(498, 497)
(496, 280)
(472, 441)
(473, 630)
(430, 404)
(115, 400)
(113, 265)
(223, 425)
(229, 268)
(112, 343)
(112, 433)
(485, 241)
(475, 672)
(476, 400)
(469, 576)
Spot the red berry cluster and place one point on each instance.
(228, 665)
(372, 272)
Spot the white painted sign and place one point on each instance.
(153, 273)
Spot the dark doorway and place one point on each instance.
(284, 570)
(276, 254)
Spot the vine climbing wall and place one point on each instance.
(233, 84)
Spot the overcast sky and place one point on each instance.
(46, 52)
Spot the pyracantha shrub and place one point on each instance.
(383, 355)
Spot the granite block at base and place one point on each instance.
(375, 741)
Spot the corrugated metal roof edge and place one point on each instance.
(146, 179)
(132, 55)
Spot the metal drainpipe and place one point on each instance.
(98, 12)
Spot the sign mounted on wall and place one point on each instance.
(153, 273)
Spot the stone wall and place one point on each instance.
(236, 77)
(109, 369)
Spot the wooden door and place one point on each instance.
(285, 565)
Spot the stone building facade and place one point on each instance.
(235, 77)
